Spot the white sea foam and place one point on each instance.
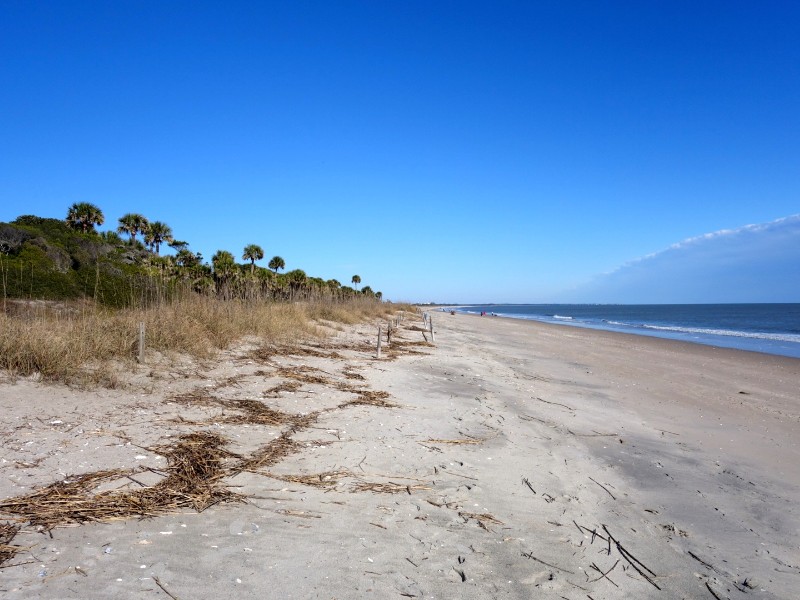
(756, 335)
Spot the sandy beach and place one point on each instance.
(510, 459)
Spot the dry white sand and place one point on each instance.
(527, 461)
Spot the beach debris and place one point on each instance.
(604, 487)
(611, 542)
(528, 484)
(322, 480)
(457, 441)
(251, 412)
(269, 454)
(195, 466)
(604, 574)
(7, 533)
(553, 403)
(388, 488)
(304, 374)
(481, 518)
(530, 556)
(350, 373)
(165, 590)
(369, 398)
(713, 593)
(286, 386)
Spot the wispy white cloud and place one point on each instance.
(753, 263)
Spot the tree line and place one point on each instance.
(223, 276)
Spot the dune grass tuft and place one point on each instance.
(75, 343)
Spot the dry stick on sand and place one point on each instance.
(604, 575)
(165, 590)
(528, 483)
(632, 560)
(554, 403)
(604, 487)
(387, 488)
(539, 560)
(712, 591)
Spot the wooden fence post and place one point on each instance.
(379, 340)
(430, 321)
(141, 342)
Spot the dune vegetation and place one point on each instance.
(73, 299)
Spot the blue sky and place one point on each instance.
(444, 151)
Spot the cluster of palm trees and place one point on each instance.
(224, 276)
(154, 233)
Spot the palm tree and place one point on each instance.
(131, 224)
(84, 216)
(185, 258)
(253, 252)
(297, 279)
(355, 280)
(276, 263)
(224, 272)
(157, 233)
(224, 264)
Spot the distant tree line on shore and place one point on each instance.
(53, 259)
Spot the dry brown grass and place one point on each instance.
(356, 311)
(77, 345)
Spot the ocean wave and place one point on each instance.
(757, 335)
(562, 318)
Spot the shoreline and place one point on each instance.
(737, 340)
(500, 456)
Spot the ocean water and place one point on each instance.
(768, 328)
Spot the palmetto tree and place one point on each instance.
(253, 252)
(131, 224)
(297, 279)
(157, 233)
(84, 216)
(185, 258)
(355, 280)
(224, 264)
(276, 263)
